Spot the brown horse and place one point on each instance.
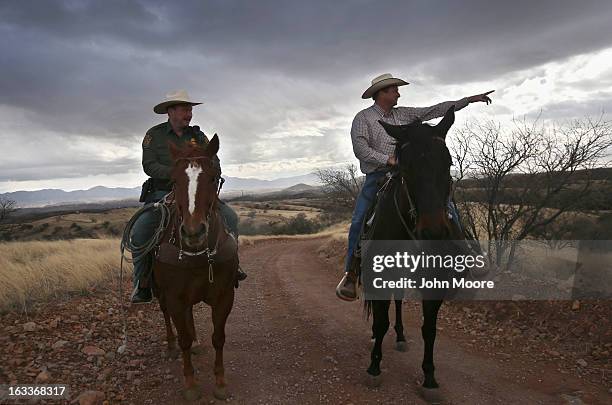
(197, 259)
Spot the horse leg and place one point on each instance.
(428, 330)
(220, 313)
(170, 338)
(196, 347)
(380, 312)
(400, 339)
(373, 339)
(180, 315)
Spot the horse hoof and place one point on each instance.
(192, 394)
(220, 393)
(197, 349)
(373, 381)
(433, 396)
(401, 346)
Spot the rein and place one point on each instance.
(412, 212)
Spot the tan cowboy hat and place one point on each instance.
(380, 82)
(177, 97)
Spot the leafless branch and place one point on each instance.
(523, 181)
(342, 185)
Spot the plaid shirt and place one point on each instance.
(371, 143)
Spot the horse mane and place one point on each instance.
(194, 150)
(191, 151)
(415, 124)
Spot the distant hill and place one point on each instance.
(598, 197)
(35, 213)
(100, 194)
(41, 198)
(239, 184)
(295, 191)
(300, 188)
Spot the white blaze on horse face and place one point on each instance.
(192, 174)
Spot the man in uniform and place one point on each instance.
(157, 163)
(375, 150)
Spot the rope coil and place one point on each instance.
(139, 251)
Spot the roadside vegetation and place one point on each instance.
(43, 270)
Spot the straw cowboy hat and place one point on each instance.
(380, 82)
(177, 97)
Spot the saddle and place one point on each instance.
(373, 213)
(169, 251)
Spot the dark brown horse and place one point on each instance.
(197, 260)
(415, 208)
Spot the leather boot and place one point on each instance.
(142, 296)
(241, 274)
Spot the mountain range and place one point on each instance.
(232, 185)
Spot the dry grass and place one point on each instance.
(336, 232)
(40, 270)
(259, 214)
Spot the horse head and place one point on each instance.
(424, 164)
(196, 178)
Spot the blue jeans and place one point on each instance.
(364, 200)
(145, 227)
(452, 209)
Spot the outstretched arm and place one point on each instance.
(484, 97)
(410, 114)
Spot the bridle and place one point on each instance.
(413, 213)
(210, 253)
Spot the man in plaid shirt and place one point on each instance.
(375, 150)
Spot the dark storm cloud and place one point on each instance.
(95, 68)
(119, 49)
(313, 37)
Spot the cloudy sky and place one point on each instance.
(280, 81)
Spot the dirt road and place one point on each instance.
(289, 340)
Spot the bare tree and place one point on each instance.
(516, 184)
(7, 207)
(342, 185)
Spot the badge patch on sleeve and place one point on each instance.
(147, 140)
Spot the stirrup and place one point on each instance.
(347, 276)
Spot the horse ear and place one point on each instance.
(174, 150)
(447, 121)
(395, 131)
(213, 146)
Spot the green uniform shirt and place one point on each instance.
(156, 159)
